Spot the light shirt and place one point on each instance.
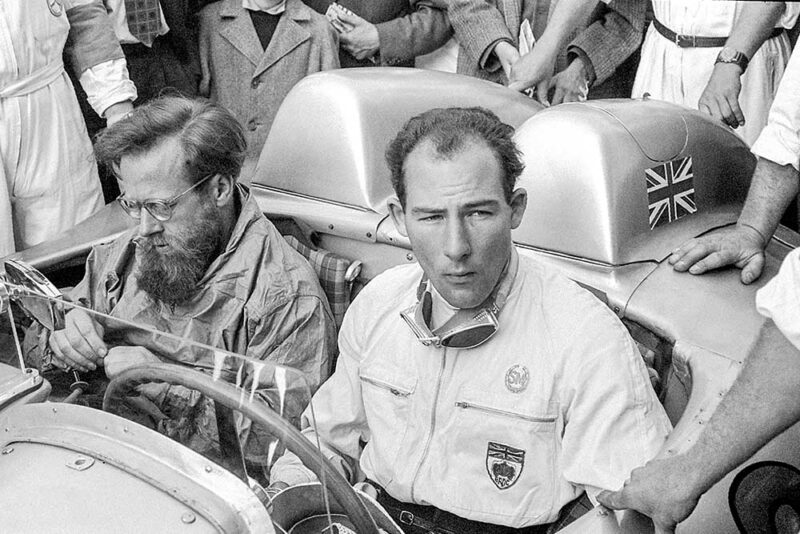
(710, 18)
(267, 6)
(779, 141)
(779, 300)
(560, 394)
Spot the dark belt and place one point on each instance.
(418, 519)
(694, 41)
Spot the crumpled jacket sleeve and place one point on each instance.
(420, 32)
(297, 333)
(478, 26)
(338, 413)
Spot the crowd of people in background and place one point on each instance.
(248, 54)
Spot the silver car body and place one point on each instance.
(588, 215)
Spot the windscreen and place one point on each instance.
(243, 413)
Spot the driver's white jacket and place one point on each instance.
(558, 401)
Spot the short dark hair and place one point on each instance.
(449, 130)
(212, 139)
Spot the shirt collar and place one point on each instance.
(272, 7)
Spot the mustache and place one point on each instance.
(148, 243)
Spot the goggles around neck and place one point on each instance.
(468, 328)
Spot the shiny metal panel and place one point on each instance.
(585, 177)
(714, 311)
(321, 215)
(151, 473)
(330, 134)
(72, 246)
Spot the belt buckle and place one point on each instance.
(684, 41)
(406, 517)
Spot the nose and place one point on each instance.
(456, 243)
(149, 225)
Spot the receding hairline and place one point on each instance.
(426, 147)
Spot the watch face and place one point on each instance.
(728, 55)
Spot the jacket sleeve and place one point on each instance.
(420, 32)
(298, 333)
(91, 38)
(478, 27)
(96, 55)
(612, 38)
(338, 418)
(613, 421)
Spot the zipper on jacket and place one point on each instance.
(394, 390)
(433, 424)
(472, 406)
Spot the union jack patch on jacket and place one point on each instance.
(670, 191)
(504, 464)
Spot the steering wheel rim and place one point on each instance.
(229, 396)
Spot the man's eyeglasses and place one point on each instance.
(160, 209)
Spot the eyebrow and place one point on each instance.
(467, 206)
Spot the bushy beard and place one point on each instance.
(170, 274)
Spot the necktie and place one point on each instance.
(144, 19)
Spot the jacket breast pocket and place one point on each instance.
(509, 445)
(388, 395)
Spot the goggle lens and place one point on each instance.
(469, 336)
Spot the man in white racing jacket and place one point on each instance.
(478, 390)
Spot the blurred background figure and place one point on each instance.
(389, 32)
(493, 39)
(252, 52)
(159, 40)
(48, 176)
(724, 58)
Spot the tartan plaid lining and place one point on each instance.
(331, 270)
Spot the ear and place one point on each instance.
(398, 215)
(222, 189)
(519, 201)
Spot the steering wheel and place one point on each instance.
(229, 396)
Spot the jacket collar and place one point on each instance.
(237, 28)
(249, 214)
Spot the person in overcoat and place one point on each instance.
(252, 57)
(390, 32)
(602, 43)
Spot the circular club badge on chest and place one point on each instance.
(55, 7)
(517, 378)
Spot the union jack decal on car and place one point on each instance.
(670, 191)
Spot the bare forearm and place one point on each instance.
(763, 402)
(753, 26)
(772, 189)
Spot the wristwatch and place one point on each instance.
(731, 55)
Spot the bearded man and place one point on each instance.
(203, 263)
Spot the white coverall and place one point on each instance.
(48, 176)
(680, 75)
(560, 390)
